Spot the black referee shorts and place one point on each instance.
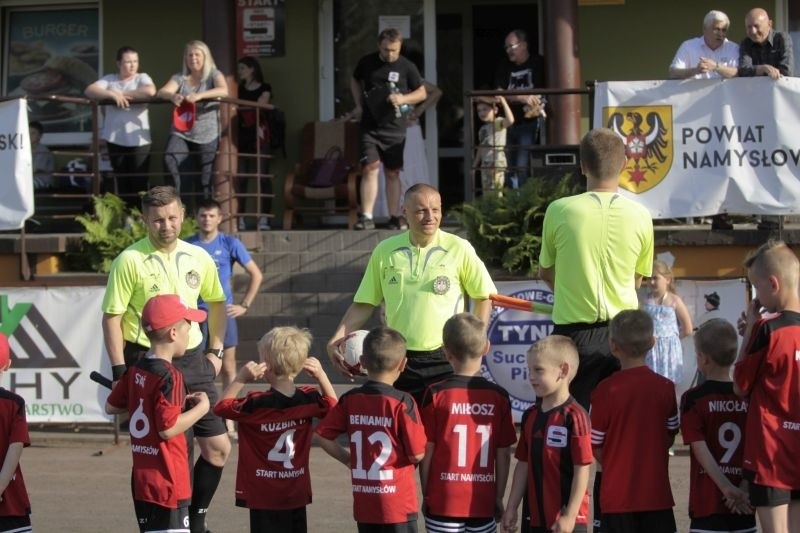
(594, 353)
(423, 369)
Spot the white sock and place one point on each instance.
(368, 216)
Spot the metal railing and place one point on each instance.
(553, 155)
(75, 188)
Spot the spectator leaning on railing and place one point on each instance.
(126, 125)
(765, 52)
(711, 55)
(195, 128)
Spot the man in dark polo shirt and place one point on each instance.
(765, 52)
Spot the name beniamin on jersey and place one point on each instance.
(369, 420)
(727, 406)
(472, 409)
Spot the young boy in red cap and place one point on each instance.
(153, 394)
(15, 508)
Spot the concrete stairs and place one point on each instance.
(310, 278)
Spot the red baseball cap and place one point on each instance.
(165, 310)
(5, 353)
(183, 116)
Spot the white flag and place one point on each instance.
(16, 187)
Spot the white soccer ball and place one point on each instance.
(353, 347)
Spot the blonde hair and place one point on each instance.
(208, 60)
(775, 258)
(285, 349)
(557, 349)
(663, 270)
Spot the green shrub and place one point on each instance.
(506, 230)
(111, 229)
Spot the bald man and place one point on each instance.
(764, 52)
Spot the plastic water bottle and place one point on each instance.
(402, 109)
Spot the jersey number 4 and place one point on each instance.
(375, 472)
(283, 451)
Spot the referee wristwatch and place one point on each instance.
(216, 352)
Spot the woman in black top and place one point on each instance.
(253, 88)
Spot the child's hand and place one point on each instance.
(251, 371)
(737, 499)
(313, 368)
(749, 317)
(563, 524)
(197, 398)
(509, 522)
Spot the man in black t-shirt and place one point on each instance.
(385, 87)
(521, 71)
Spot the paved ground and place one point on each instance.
(80, 482)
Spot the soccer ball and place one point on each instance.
(352, 350)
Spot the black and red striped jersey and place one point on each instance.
(153, 392)
(634, 416)
(714, 414)
(384, 429)
(466, 418)
(770, 373)
(13, 428)
(552, 443)
(274, 445)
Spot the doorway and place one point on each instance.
(469, 44)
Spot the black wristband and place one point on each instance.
(117, 371)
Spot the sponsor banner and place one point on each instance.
(56, 340)
(16, 188)
(701, 147)
(512, 332)
(261, 28)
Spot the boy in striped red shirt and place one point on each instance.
(554, 452)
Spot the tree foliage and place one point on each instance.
(506, 230)
(112, 228)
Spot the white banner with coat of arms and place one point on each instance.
(702, 147)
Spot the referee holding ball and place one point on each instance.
(422, 276)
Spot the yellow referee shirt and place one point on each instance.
(423, 287)
(141, 272)
(598, 242)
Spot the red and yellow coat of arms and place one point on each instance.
(647, 134)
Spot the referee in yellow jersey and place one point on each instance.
(423, 276)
